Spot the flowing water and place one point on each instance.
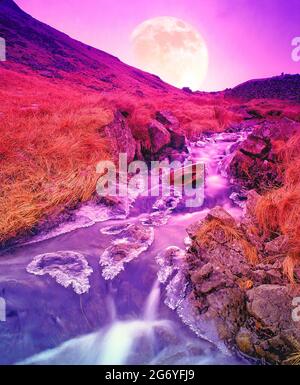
(88, 292)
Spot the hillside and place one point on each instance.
(35, 47)
(284, 87)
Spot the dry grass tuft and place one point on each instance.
(50, 143)
(229, 233)
(278, 211)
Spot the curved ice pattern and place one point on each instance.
(68, 268)
(176, 291)
(115, 229)
(135, 240)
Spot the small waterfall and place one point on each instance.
(112, 345)
(122, 337)
(152, 303)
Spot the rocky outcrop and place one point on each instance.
(269, 331)
(225, 296)
(120, 135)
(255, 163)
(167, 139)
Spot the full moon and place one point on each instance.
(172, 49)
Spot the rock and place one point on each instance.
(166, 203)
(251, 172)
(167, 119)
(282, 129)
(173, 155)
(178, 140)
(159, 135)
(220, 214)
(139, 234)
(216, 281)
(120, 135)
(271, 306)
(204, 272)
(115, 229)
(216, 213)
(254, 165)
(68, 268)
(270, 332)
(158, 218)
(225, 297)
(226, 308)
(277, 246)
(255, 147)
(187, 90)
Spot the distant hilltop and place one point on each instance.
(285, 87)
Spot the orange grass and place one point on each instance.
(52, 139)
(278, 211)
(50, 142)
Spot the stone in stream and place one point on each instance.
(158, 218)
(131, 242)
(166, 203)
(68, 268)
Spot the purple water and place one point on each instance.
(123, 320)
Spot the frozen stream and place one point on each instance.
(64, 307)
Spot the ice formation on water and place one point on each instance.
(169, 262)
(115, 229)
(131, 242)
(68, 268)
(172, 274)
(86, 216)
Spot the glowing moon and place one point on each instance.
(172, 49)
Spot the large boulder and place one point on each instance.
(120, 135)
(159, 136)
(178, 140)
(270, 331)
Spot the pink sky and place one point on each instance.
(246, 38)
